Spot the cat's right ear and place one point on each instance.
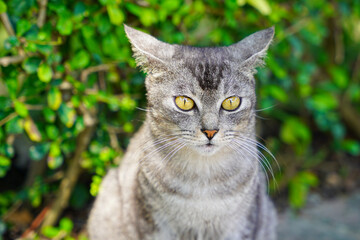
(150, 54)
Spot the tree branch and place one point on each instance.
(8, 118)
(7, 24)
(102, 67)
(71, 177)
(6, 61)
(42, 13)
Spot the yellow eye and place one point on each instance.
(231, 103)
(184, 103)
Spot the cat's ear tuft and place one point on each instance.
(150, 54)
(251, 51)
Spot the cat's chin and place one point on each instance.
(207, 149)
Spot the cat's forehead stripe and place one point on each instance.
(208, 74)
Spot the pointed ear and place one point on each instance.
(150, 54)
(251, 50)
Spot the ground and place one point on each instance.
(336, 219)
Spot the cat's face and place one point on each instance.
(201, 97)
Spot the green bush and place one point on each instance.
(69, 84)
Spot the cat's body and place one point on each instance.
(185, 174)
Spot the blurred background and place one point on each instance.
(70, 95)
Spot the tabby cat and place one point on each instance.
(192, 171)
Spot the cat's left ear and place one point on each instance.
(150, 54)
(251, 50)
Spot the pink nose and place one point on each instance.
(209, 133)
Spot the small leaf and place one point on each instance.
(54, 98)
(339, 77)
(15, 126)
(323, 102)
(49, 114)
(80, 60)
(50, 231)
(3, 7)
(128, 127)
(20, 108)
(22, 26)
(115, 14)
(66, 225)
(31, 64)
(4, 165)
(52, 132)
(95, 185)
(32, 130)
(67, 115)
(64, 26)
(39, 151)
(299, 188)
(148, 17)
(55, 158)
(45, 73)
(12, 86)
(351, 146)
(261, 5)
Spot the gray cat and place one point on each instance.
(192, 171)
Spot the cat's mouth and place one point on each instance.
(207, 148)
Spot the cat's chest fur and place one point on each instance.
(213, 218)
(206, 194)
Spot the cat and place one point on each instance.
(192, 170)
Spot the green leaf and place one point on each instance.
(30, 65)
(44, 73)
(67, 115)
(95, 185)
(14, 126)
(3, 7)
(64, 26)
(22, 26)
(52, 132)
(339, 77)
(127, 104)
(148, 17)
(80, 60)
(296, 133)
(32, 130)
(261, 5)
(110, 44)
(20, 108)
(39, 151)
(128, 127)
(4, 165)
(54, 98)
(351, 146)
(323, 102)
(11, 42)
(115, 14)
(55, 159)
(50, 231)
(107, 2)
(276, 92)
(49, 114)
(12, 86)
(66, 225)
(299, 188)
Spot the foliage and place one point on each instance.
(61, 75)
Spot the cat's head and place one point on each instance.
(201, 97)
